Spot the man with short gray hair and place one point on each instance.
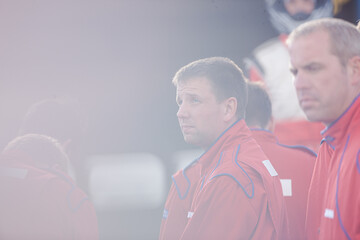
(325, 62)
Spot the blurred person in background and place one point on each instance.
(63, 119)
(38, 198)
(325, 62)
(294, 164)
(231, 191)
(269, 63)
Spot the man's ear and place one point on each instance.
(354, 65)
(230, 108)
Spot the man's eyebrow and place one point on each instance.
(307, 65)
(190, 94)
(193, 94)
(313, 64)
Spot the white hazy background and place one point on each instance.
(117, 57)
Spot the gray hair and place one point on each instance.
(344, 37)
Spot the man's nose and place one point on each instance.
(182, 111)
(300, 81)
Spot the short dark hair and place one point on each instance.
(225, 76)
(258, 109)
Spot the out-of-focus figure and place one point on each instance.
(286, 15)
(325, 62)
(294, 164)
(231, 191)
(270, 63)
(38, 199)
(63, 119)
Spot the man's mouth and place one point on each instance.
(306, 102)
(186, 128)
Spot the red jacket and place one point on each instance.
(334, 197)
(294, 165)
(299, 132)
(227, 193)
(42, 204)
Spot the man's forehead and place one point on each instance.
(193, 83)
(198, 87)
(312, 45)
(313, 38)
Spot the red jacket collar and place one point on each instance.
(260, 134)
(338, 129)
(235, 134)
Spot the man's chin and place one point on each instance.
(312, 115)
(191, 140)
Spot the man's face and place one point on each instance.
(322, 83)
(299, 6)
(200, 114)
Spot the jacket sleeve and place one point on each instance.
(70, 211)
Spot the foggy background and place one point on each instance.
(118, 58)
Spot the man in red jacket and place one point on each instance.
(231, 191)
(325, 59)
(38, 199)
(294, 164)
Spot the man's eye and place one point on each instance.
(313, 68)
(195, 100)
